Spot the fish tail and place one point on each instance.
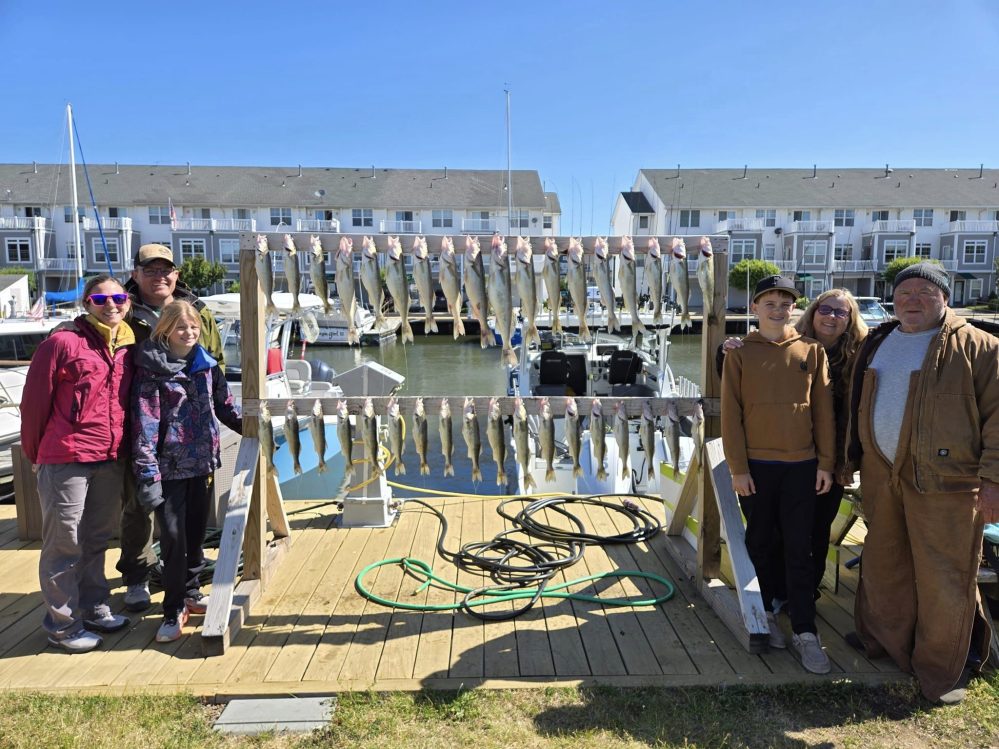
(612, 323)
(500, 477)
(459, 327)
(624, 470)
(529, 482)
(424, 468)
(322, 466)
(407, 332)
(601, 474)
(712, 319)
(549, 474)
(430, 326)
(476, 473)
(352, 336)
(448, 469)
(584, 329)
(532, 332)
(510, 356)
(400, 469)
(484, 341)
(685, 321)
(298, 468)
(557, 324)
(577, 471)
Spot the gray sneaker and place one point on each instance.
(80, 641)
(137, 597)
(808, 646)
(102, 620)
(777, 639)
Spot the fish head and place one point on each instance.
(628, 248)
(471, 246)
(570, 407)
(368, 248)
(698, 411)
(445, 408)
(447, 248)
(679, 249)
(519, 409)
(672, 412)
(600, 247)
(346, 248)
(265, 412)
(575, 250)
(469, 409)
(420, 409)
(494, 408)
(524, 252)
(341, 409)
(394, 248)
(546, 407)
(262, 247)
(705, 246)
(289, 244)
(647, 411)
(498, 248)
(291, 412)
(621, 411)
(393, 409)
(420, 248)
(369, 407)
(596, 408)
(551, 248)
(316, 245)
(654, 251)
(317, 409)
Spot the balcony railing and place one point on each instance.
(950, 264)
(810, 227)
(25, 223)
(478, 225)
(853, 266)
(903, 226)
(58, 263)
(107, 223)
(192, 224)
(315, 224)
(740, 224)
(785, 265)
(234, 224)
(971, 227)
(400, 227)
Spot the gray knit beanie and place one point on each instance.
(928, 271)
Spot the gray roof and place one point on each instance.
(551, 203)
(252, 186)
(834, 188)
(637, 202)
(9, 279)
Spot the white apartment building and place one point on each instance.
(828, 227)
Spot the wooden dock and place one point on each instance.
(312, 633)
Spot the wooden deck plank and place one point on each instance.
(467, 632)
(500, 646)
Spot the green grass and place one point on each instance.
(840, 715)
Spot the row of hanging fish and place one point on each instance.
(494, 292)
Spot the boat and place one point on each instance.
(333, 326)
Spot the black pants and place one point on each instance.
(783, 509)
(183, 517)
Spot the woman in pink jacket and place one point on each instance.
(74, 432)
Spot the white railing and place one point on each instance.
(853, 266)
(107, 223)
(315, 224)
(740, 224)
(902, 226)
(949, 264)
(193, 224)
(971, 227)
(24, 222)
(400, 227)
(478, 225)
(234, 224)
(785, 265)
(810, 227)
(58, 263)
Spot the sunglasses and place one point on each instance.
(101, 299)
(826, 310)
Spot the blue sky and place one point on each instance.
(599, 89)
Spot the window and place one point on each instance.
(442, 219)
(68, 213)
(923, 216)
(280, 216)
(769, 252)
(741, 249)
(322, 214)
(843, 252)
(32, 211)
(922, 249)
(726, 215)
(204, 212)
(814, 251)
(190, 248)
(159, 214)
(690, 219)
(98, 246)
(815, 287)
(994, 215)
(520, 219)
(958, 215)
(229, 251)
(946, 252)
(974, 251)
(546, 221)
(643, 222)
(801, 216)
(403, 215)
(879, 215)
(895, 248)
(769, 216)
(975, 288)
(361, 217)
(241, 213)
(843, 217)
(19, 250)
(115, 212)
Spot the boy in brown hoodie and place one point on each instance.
(779, 436)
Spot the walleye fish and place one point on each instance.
(345, 287)
(706, 277)
(605, 282)
(398, 286)
(501, 297)
(446, 435)
(265, 273)
(681, 281)
(697, 430)
(576, 281)
(451, 284)
(291, 271)
(629, 286)
(547, 438)
(420, 435)
(317, 270)
(553, 287)
(345, 434)
(622, 437)
(527, 290)
(475, 287)
(598, 437)
(572, 434)
(369, 435)
(673, 436)
(371, 278)
(647, 436)
(397, 442)
(654, 274)
(521, 441)
(497, 440)
(266, 435)
(291, 435)
(424, 283)
(470, 431)
(317, 428)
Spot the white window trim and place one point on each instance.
(978, 243)
(814, 243)
(191, 253)
(97, 248)
(743, 244)
(18, 242)
(222, 251)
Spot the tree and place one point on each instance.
(199, 274)
(32, 278)
(898, 264)
(752, 270)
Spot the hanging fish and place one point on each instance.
(521, 440)
(681, 281)
(291, 272)
(397, 442)
(317, 428)
(527, 290)
(369, 435)
(497, 440)
(576, 281)
(626, 275)
(501, 297)
(266, 435)
(573, 432)
(706, 277)
(547, 439)
(553, 287)
(420, 435)
(345, 434)
(317, 270)
(654, 274)
(398, 286)
(424, 279)
(451, 284)
(475, 287)
(598, 437)
(291, 435)
(265, 273)
(444, 428)
(622, 437)
(371, 278)
(345, 287)
(697, 429)
(470, 431)
(605, 282)
(647, 437)
(673, 436)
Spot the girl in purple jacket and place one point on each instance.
(178, 393)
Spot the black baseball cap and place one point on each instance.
(775, 283)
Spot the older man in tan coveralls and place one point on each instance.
(925, 431)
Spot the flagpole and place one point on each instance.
(76, 202)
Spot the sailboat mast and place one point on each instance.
(509, 172)
(76, 202)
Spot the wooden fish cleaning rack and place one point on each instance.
(704, 500)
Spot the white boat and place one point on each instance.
(333, 326)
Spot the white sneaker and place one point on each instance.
(777, 639)
(172, 627)
(80, 641)
(137, 597)
(808, 646)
